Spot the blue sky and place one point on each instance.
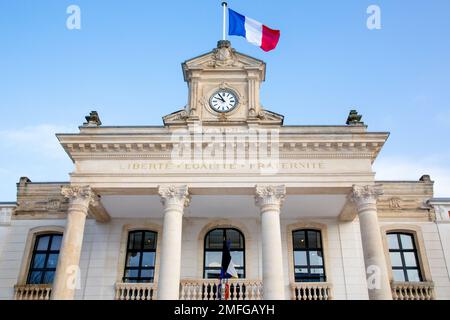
(125, 63)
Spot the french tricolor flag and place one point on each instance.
(254, 31)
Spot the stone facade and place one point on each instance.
(167, 179)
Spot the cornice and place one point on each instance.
(160, 146)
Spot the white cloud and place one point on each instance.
(399, 168)
(39, 139)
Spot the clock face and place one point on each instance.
(223, 101)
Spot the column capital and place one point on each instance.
(367, 193)
(80, 195)
(270, 196)
(174, 195)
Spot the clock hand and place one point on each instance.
(221, 97)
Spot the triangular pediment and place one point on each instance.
(223, 57)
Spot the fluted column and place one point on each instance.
(67, 272)
(174, 199)
(269, 199)
(365, 198)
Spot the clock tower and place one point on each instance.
(224, 90)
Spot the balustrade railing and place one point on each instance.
(135, 291)
(208, 289)
(412, 290)
(32, 292)
(311, 291)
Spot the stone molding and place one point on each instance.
(163, 149)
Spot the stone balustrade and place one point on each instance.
(33, 292)
(412, 290)
(135, 291)
(207, 289)
(311, 291)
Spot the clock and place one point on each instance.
(223, 101)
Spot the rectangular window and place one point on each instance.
(44, 259)
(141, 257)
(308, 256)
(404, 260)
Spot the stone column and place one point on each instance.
(365, 198)
(174, 199)
(269, 199)
(68, 269)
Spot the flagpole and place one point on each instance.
(224, 5)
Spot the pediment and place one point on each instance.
(223, 57)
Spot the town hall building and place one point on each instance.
(147, 208)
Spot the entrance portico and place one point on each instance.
(222, 207)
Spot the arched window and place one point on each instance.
(403, 254)
(141, 256)
(44, 258)
(308, 256)
(213, 252)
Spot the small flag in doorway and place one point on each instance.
(252, 30)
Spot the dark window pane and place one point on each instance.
(131, 273)
(396, 260)
(147, 273)
(135, 240)
(39, 261)
(315, 258)
(398, 275)
(314, 240)
(407, 241)
(133, 259)
(150, 241)
(299, 240)
(48, 277)
(213, 259)
(393, 241)
(35, 277)
(148, 259)
(413, 275)
(127, 280)
(215, 239)
(300, 258)
(212, 274)
(235, 238)
(43, 243)
(56, 243)
(52, 260)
